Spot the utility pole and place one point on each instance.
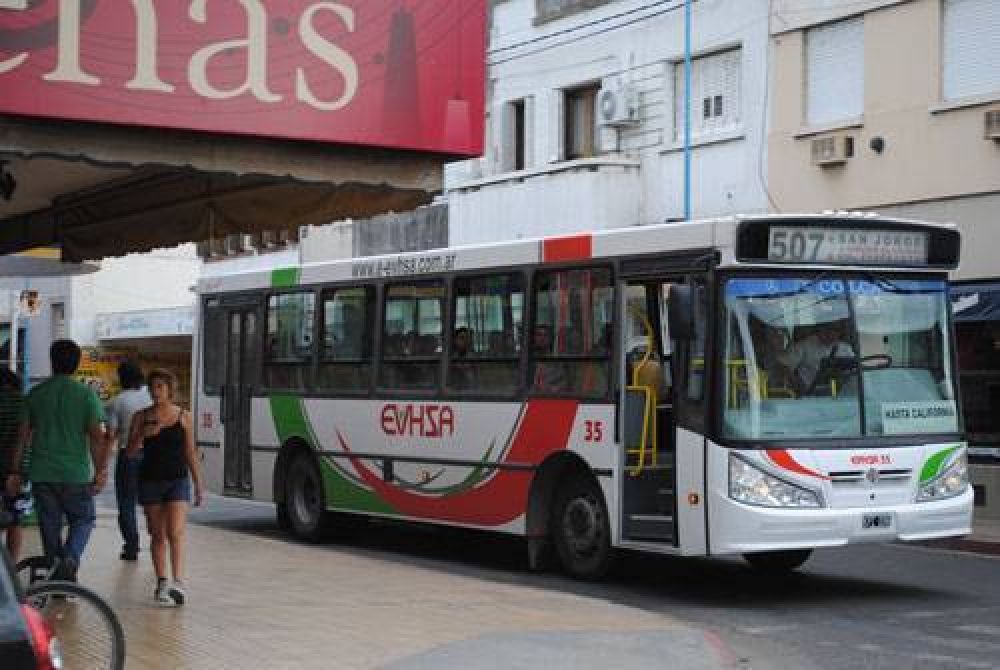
(687, 109)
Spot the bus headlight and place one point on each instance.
(749, 485)
(952, 482)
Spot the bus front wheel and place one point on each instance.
(580, 528)
(305, 502)
(777, 562)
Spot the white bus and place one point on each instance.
(758, 386)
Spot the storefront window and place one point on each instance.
(979, 377)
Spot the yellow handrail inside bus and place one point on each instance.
(648, 441)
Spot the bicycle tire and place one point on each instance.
(89, 632)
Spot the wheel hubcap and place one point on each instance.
(305, 496)
(583, 526)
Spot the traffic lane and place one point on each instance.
(869, 606)
(878, 606)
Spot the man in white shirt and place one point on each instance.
(134, 397)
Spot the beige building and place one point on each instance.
(894, 106)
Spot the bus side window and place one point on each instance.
(571, 333)
(345, 356)
(484, 350)
(411, 335)
(288, 348)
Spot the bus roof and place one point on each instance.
(691, 236)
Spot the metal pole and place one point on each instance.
(14, 301)
(687, 109)
(26, 382)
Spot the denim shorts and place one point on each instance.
(157, 492)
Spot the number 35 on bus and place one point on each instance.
(756, 386)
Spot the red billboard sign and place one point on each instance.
(389, 73)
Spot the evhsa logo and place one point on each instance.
(418, 420)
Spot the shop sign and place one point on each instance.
(152, 323)
(387, 73)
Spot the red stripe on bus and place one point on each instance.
(782, 458)
(503, 498)
(560, 249)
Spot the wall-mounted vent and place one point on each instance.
(832, 150)
(991, 124)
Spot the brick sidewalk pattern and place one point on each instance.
(268, 602)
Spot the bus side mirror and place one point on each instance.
(680, 312)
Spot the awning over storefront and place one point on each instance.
(976, 302)
(167, 187)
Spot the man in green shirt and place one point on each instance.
(63, 419)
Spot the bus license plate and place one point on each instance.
(880, 521)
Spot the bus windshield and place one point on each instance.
(837, 357)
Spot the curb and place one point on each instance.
(971, 545)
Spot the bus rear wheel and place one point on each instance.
(580, 528)
(305, 502)
(778, 562)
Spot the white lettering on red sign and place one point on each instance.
(146, 75)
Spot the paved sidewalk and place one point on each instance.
(258, 600)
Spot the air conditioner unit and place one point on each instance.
(268, 239)
(832, 150)
(617, 105)
(239, 243)
(991, 124)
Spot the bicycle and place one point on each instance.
(89, 632)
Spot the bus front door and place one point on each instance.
(240, 354)
(649, 482)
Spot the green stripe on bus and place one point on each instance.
(291, 422)
(284, 277)
(935, 463)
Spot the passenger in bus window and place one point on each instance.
(549, 376)
(462, 375)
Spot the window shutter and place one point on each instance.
(835, 72)
(970, 48)
(715, 95)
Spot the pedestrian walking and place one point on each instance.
(133, 397)
(169, 463)
(18, 505)
(64, 421)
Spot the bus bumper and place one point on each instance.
(736, 528)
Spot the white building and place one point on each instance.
(585, 124)
(72, 306)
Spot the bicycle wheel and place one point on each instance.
(88, 630)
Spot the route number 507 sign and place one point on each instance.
(846, 246)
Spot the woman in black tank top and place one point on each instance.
(165, 435)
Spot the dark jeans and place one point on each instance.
(75, 502)
(127, 494)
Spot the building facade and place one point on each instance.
(584, 118)
(894, 106)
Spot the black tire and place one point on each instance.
(778, 562)
(281, 516)
(305, 500)
(580, 529)
(89, 632)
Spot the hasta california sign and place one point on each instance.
(386, 73)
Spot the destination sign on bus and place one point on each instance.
(846, 246)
